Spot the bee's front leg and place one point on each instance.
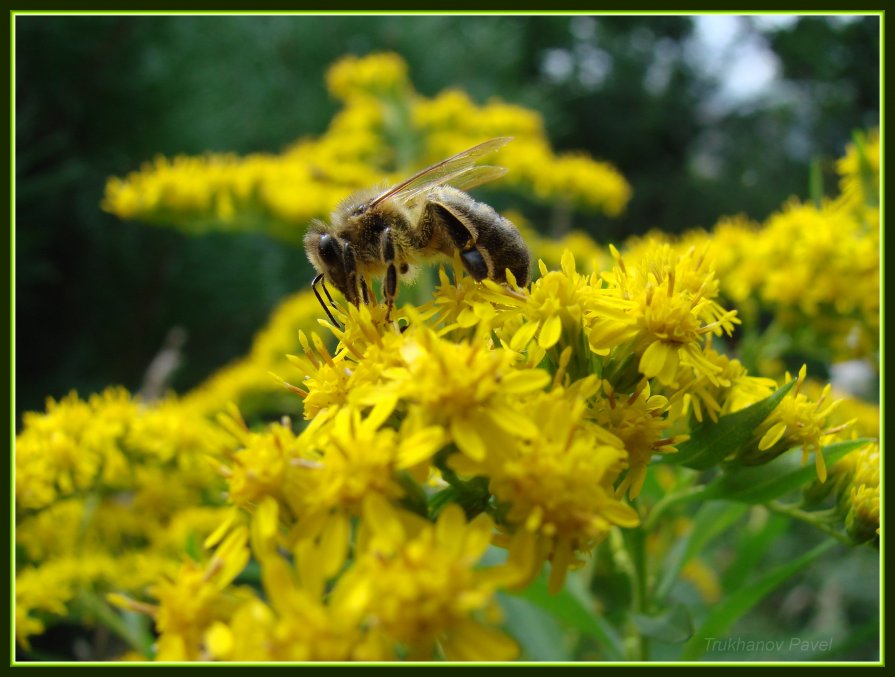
(391, 273)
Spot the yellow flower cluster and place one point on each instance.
(442, 383)
(451, 122)
(854, 480)
(375, 75)
(442, 413)
(862, 518)
(410, 591)
(490, 423)
(815, 268)
(280, 194)
(534, 410)
(797, 421)
(109, 493)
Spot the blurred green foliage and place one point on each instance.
(98, 95)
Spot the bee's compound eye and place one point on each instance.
(329, 250)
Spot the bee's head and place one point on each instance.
(330, 256)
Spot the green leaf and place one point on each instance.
(576, 613)
(472, 495)
(783, 475)
(865, 171)
(754, 542)
(713, 441)
(672, 626)
(538, 633)
(711, 519)
(733, 607)
(415, 499)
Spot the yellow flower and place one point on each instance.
(46, 590)
(413, 582)
(557, 488)
(797, 421)
(732, 388)
(673, 313)
(111, 492)
(639, 421)
(862, 522)
(359, 456)
(282, 193)
(376, 74)
(189, 604)
(468, 388)
(411, 589)
(39, 590)
(263, 463)
(468, 309)
(855, 479)
(71, 447)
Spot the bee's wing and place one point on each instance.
(449, 170)
(463, 178)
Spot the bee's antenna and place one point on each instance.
(319, 280)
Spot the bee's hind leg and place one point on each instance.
(475, 264)
(390, 286)
(365, 290)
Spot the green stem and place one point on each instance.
(816, 183)
(623, 561)
(813, 519)
(627, 547)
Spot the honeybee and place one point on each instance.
(388, 233)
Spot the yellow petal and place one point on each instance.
(550, 332)
(512, 421)
(219, 640)
(524, 381)
(620, 513)
(381, 519)
(567, 262)
(334, 544)
(449, 531)
(218, 534)
(478, 537)
(772, 436)
(380, 413)
(523, 563)
(467, 318)
(471, 641)
(661, 360)
(524, 335)
(419, 446)
(467, 439)
(265, 524)
(820, 465)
